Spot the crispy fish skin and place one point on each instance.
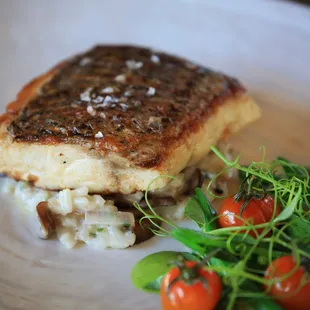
(115, 117)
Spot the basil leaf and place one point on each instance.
(194, 212)
(288, 211)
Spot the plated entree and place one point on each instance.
(82, 142)
(252, 253)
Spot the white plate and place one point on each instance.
(264, 43)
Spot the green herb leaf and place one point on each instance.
(148, 272)
(197, 241)
(299, 229)
(216, 262)
(264, 303)
(290, 208)
(242, 257)
(200, 211)
(258, 302)
(194, 212)
(154, 286)
(307, 249)
(242, 175)
(207, 209)
(204, 203)
(100, 229)
(92, 235)
(264, 183)
(292, 170)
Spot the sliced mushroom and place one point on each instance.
(143, 231)
(125, 201)
(193, 178)
(45, 216)
(165, 197)
(158, 201)
(184, 184)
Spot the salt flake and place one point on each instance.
(128, 93)
(107, 99)
(99, 135)
(99, 99)
(124, 106)
(108, 90)
(85, 96)
(121, 78)
(91, 111)
(85, 61)
(134, 65)
(190, 65)
(155, 59)
(151, 91)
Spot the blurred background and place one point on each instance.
(306, 2)
(265, 43)
(228, 35)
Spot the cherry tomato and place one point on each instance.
(256, 212)
(182, 295)
(267, 207)
(288, 291)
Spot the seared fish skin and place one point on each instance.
(125, 113)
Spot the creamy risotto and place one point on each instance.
(78, 217)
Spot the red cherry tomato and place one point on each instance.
(195, 296)
(267, 207)
(256, 212)
(288, 292)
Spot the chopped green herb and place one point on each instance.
(92, 235)
(126, 226)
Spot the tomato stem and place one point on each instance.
(189, 275)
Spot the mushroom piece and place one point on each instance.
(125, 201)
(193, 178)
(158, 201)
(46, 219)
(142, 230)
